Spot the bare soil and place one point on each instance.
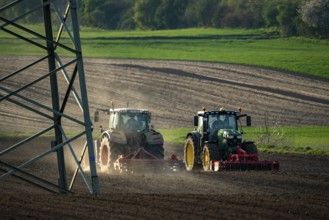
(173, 91)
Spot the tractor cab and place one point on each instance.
(216, 124)
(129, 120)
(216, 144)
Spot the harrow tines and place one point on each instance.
(243, 166)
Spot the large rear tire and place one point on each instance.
(210, 153)
(190, 154)
(108, 154)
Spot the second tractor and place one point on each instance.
(216, 144)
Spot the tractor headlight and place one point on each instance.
(238, 136)
(227, 135)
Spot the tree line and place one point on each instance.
(290, 17)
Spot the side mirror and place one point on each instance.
(248, 121)
(196, 120)
(96, 116)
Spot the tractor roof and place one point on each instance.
(129, 110)
(200, 113)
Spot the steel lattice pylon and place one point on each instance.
(67, 19)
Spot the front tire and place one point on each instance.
(210, 153)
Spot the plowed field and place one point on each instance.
(173, 91)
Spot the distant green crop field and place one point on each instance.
(260, 47)
(304, 140)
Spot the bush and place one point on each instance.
(315, 14)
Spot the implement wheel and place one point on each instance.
(190, 154)
(210, 153)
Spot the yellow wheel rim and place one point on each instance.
(206, 159)
(189, 160)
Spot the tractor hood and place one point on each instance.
(229, 133)
(230, 137)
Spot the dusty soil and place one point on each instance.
(174, 91)
(300, 190)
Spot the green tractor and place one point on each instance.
(129, 136)
(216, 144)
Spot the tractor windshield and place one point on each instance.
(222, 121)
(132, 122)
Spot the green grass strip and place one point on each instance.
(301, 140)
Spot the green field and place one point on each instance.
(260, 47)
(304, 140)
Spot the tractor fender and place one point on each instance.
(153, 137)
(247, 142)
(116, 136)
(249, 147)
